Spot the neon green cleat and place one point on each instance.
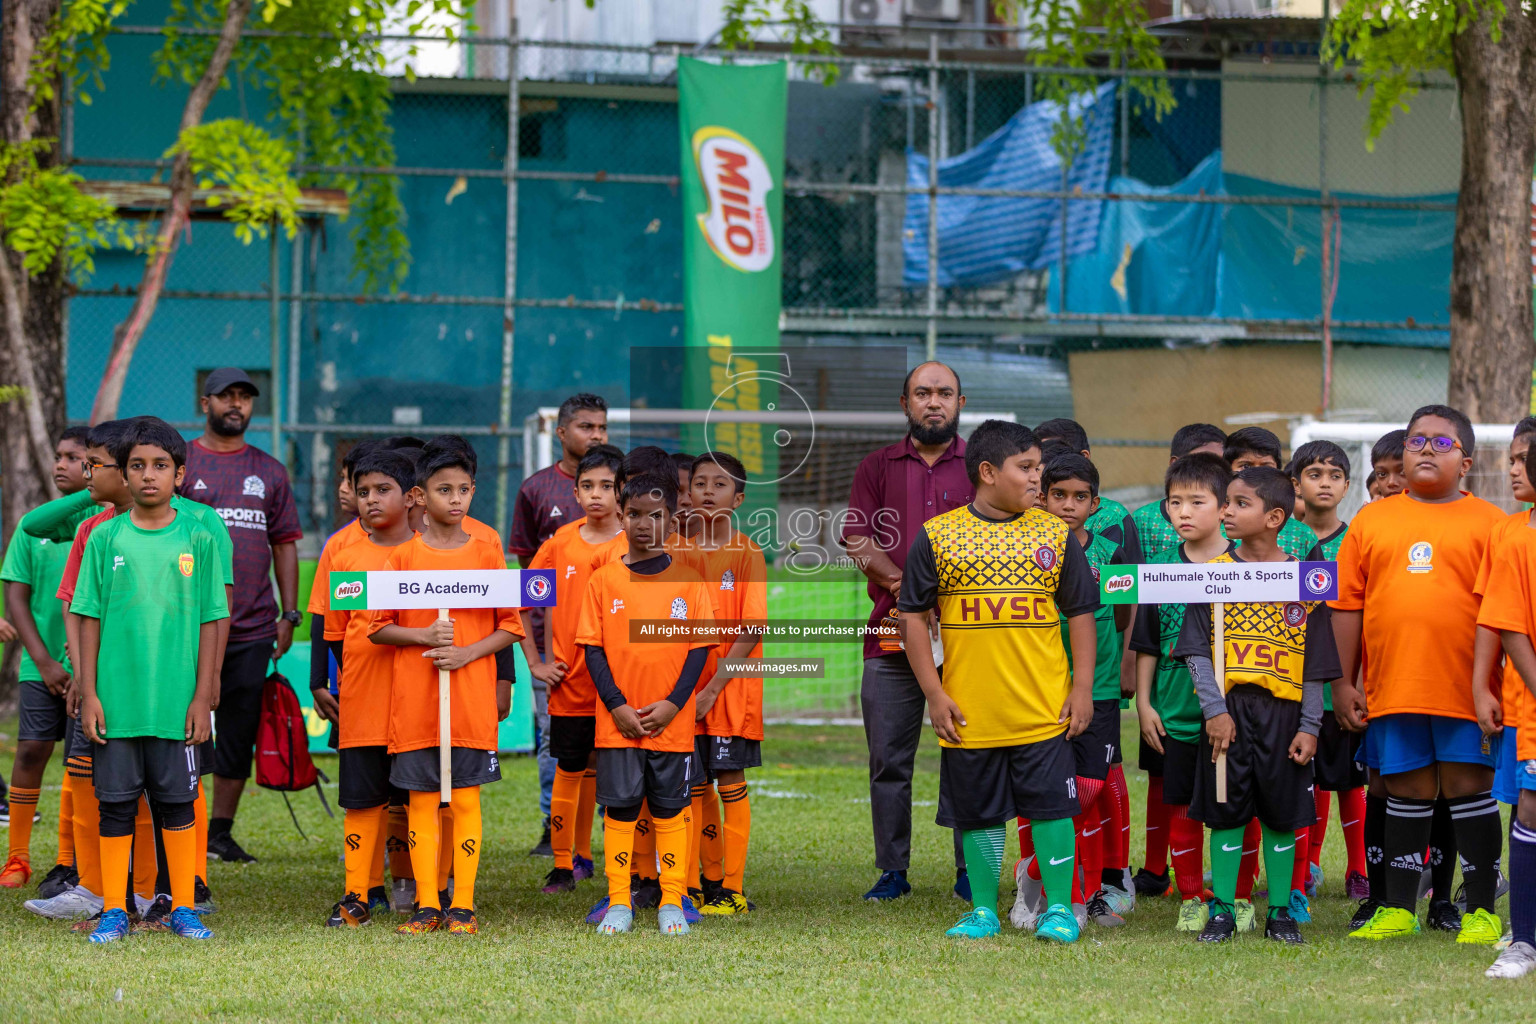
(980, 923)
(1480, 928)
(1058, 924)
(1242, 910)
(1388, 923)
(1192, 916)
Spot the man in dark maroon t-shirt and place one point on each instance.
(545, 502)
(251, 492)
(895, 490)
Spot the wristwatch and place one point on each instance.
(293, 617)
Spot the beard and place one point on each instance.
(231, 424)
(944, 433)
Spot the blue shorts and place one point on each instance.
(1510, 775)
(1404, 743)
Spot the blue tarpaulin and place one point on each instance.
(984, 239)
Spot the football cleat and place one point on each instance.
(980, 923)
(350, 912)
(427, 919)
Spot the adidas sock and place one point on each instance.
(1186, 837)
(1280, 861)
(1158, 837)
(984, 863)
(586, 808)
(423, 840)
(737, 807)
(1054, 840)
(1479, 837)
(1442, 851)
(562, 815)
(23, 806)
(1248, 873)
(1118, 839)
(467, 837)
(361, 828)
(1375, 839)
(397, 844)
(618, 847)
(1319, 831)
(1405, 837)
(1227, 848)
(66, 822)
(711, 839)
(1522, 881)
(145, 857)
(672, 845)
(1301, 871)
(1352, 810)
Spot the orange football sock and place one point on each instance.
(695, 827)
(361, 828)
(181, 862)
(643, 862)
(618, 845)
(397, 843)
(586, 810)
(23, 805)
(376, 866)
(444, 846)
(672, 844)
(116, 853)
(87, 826)
(425, 824)
(712, 838)
(562, 816)
(66, 822)
(466, 845)
(144, 864)
(738, 831)
(200, 828)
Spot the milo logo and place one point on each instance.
(1120, 584)
(352, 588)
(736, 183)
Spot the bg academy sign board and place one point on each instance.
(439, 588)
(1212, 582)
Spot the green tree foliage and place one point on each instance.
(45, 215)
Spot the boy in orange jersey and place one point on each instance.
(645, 741)
(574, 551)
(465, 646)
(384, 487)
(729, 708)
(1405, 557)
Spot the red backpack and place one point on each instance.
(282, 745)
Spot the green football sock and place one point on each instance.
(1055, 844)
(983, 849)
(1226, 862)
(1279, 862)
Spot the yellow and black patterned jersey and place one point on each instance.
(1002, 589)
(1277, 645)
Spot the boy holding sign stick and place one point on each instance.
(460, 645)
(1259, 683)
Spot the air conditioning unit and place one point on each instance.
(933, 10)
(873, 13)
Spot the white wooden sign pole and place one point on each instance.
(445, 735)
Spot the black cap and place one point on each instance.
(220, 380)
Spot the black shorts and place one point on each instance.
(1338, 763)
(572, 736)
(239, 711)
(417, 770)
(1098, 746)
(75, 743)
(1262, 780)
(1179, 760)
(1149, 760)
(42, 713)
(661, 778)
(702, 776)
(364, 777)
(984, 787)
(732, 753)
(165, 770)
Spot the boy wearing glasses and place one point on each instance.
(1408, 604)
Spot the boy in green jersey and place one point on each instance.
(1108, 516)
(151, 583)
(1255, 446)
(1169, 713)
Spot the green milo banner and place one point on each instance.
(732, 133)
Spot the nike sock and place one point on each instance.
(423, 839)
(361, 828)
(712, 839)
(1158, 818)
(444, 845)
(1248, 873)
(467, 837)
(200, 825)
(738, 833)
(1301, 871)
(984, 863)
(1086, 830)
(1118, 838)
(1320, 803)
(66, 822)
(180, 852)
(562, 815)
(672, 844)
(1405, 838)
(1522, 881)
(586, 808)
(1280, 861)
(144, 855)
(87, 825)
(1442, 851)
(1186, 837)
(1375, 840)
(618, 847)
(1053, 846)
(1352, 810)
(643, 861)
(397, 844)
(1479, 837)
(1226, 863)
(23, 806)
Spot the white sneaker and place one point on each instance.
(1029, 900)
(141, 904)
(1515, 962)
(70, 905)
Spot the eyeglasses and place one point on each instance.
(1439, 445)
(90, 467)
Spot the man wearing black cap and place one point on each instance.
(251, 492)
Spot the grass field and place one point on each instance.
(813, 951)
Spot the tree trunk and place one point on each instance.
(126, 337)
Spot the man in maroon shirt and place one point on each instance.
(251, 492)
(545, 502)
(895, 490)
